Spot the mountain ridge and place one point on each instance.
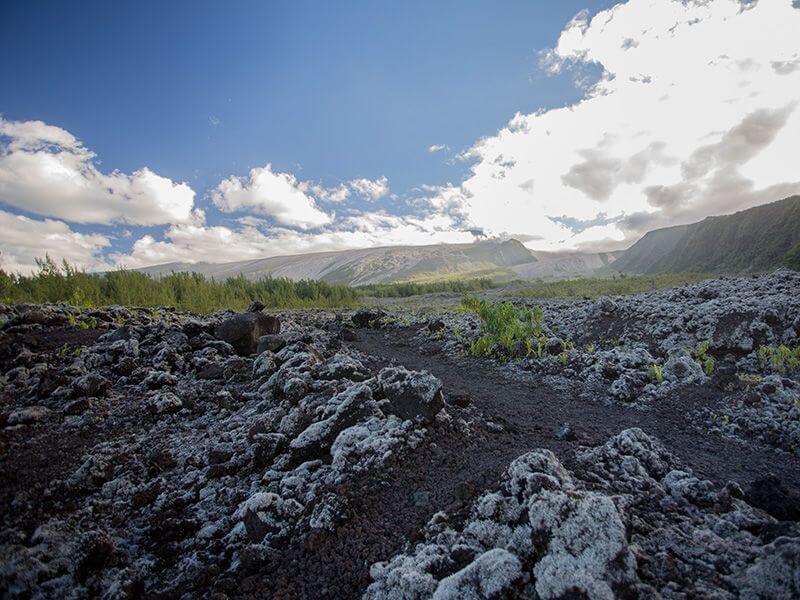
(748, 241)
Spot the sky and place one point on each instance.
(142, 133)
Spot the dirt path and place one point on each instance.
(534, 412)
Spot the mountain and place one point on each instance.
(752, 240)
(550, 266)
(373, 265)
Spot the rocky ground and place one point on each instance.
(310, 455)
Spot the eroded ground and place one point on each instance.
(155, 454)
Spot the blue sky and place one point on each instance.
(330, 90)
(329, 93)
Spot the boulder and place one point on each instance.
(411, 394)
(367, 317)
(267, 514)
(242, 331)
(272, 342)
(355, 403)
(486, 577)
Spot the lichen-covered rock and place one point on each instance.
(627, 523)
(487, 576)
(411, 394)
(267, 514)
(354, 404)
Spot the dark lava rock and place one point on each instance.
(555, 345)
(347, 335)
(243, 331)
(435, 325)
(367, 317)
(773, 496)
(271, 342)
(411, 393)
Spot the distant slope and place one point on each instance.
(552, 266)
(372, 265)
(749, 241)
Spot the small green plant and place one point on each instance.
(563, 356)
(703, 358)
(90, 324)
(655, 374)
(749, 380)
(591, 348)
(64, 350)
(120, 320)
(503, 325)
(780, 359)
(71, 319)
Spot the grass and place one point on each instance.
(185, 291)
(503, 326)
(416, 288)
(594, 287)
(655, 374)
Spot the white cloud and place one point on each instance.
(370, 188)
(695, 114)
(438, 148)
(276, 195)
(24, 240)
(46, 170)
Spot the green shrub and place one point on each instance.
(780, 359)
(503, 325)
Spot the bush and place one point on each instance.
(780, 359)
(186, 291)
(504, 325)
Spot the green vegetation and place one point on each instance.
(703, 358)
(415, 288)
(504, 325)
(185, 291)
(749, 380)
(753, 240)
(655, 375)
(780, 359)
(594, 287)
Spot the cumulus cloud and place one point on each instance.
(47, 171)
(370, 188)
(438, 148)
(693, 114)
(276, 195)
(24, 240)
